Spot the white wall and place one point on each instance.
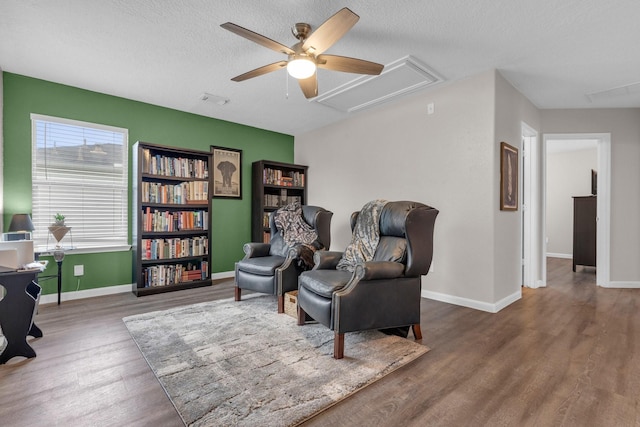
(512, 109)
(624, 126)
(449, 160)
(568, 175)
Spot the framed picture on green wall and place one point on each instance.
(227, 172)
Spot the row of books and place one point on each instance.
(156, 164)
(284, 178)
(277, 200)
(166, 275)
(183, 193)
(265, 220)
(153, 249)
(157, 220)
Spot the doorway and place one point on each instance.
(603, 168)
(534, 200)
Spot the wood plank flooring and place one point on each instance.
(567, 354)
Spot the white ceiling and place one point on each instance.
(170, 52)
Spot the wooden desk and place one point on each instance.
(17, 310)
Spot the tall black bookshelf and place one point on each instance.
(275, 184)
(171, 227)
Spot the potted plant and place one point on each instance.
(59, 219)
(58, 229)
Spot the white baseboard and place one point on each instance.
(555, 255)
(508, 300)
(477, 305)
(109, 290)
(86, 293)
(622, 285)
(223, 275)
(537, 284)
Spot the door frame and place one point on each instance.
(603, 228)
(531, 255)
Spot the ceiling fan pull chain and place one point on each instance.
(286, 92)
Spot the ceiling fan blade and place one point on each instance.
(309, 86)
(348, 65)
(330, 31)
(257, 38)
(260, 71)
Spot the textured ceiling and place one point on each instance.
(169, 53)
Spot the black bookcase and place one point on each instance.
(171, 218)
(274, 184)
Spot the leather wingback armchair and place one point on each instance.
(383, 293)
(271, 268)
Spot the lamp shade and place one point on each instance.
(21, 222)
(301, 67)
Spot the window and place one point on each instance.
(80, 171)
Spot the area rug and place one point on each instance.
(231, 363)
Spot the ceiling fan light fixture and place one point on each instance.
(301, 67)
(308, 54)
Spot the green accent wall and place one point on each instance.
(145, 122)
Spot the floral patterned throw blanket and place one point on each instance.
(365, 238)
(296, 233)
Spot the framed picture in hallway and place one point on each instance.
(227, 172)
(508, 177)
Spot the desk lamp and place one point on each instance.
(21, 223)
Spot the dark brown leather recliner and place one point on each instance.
(380, 294)
(272, 268)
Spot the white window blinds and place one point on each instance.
(80, 171)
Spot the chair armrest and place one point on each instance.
(326, 260)
(294, 252)
(375, 270)
(255, 249)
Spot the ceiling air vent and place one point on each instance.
(398, 78)
(614, 92)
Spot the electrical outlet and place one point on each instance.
(78, 270)
(430, 108)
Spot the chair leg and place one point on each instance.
(338, 346)
(280, 304)
(301, 316)
(417, 333)
(238, 293)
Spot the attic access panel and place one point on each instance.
(398, 78)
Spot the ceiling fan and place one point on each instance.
(307, 55)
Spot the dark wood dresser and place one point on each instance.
(584, 231)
